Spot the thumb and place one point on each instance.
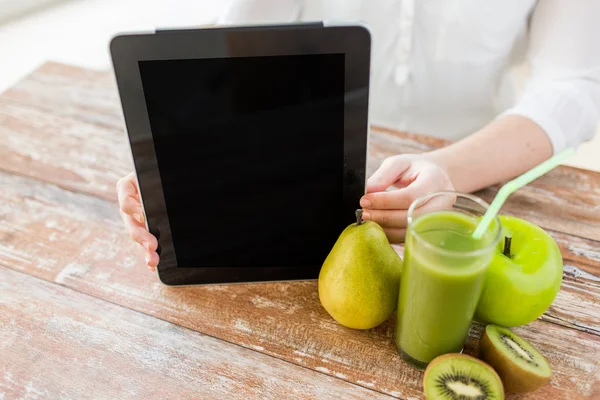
(390, 171)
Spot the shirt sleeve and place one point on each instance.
(563, 94)
(260, 11)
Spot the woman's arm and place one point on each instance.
(560, 107)
(502, 150)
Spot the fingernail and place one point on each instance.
(365, 203)
(366, 215)
(138, 218)
(147, 257)
(146, 245)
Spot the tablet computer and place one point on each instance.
(249, 145)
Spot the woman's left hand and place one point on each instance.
(412, 175)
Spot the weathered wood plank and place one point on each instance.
(78, 241)
(71, 154)
(578, 249)
(68, 91)
(581, 282)
(95, 236)
(57, 344)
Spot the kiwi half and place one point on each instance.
(521, 366)
(461, 377)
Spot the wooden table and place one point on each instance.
(81, 317)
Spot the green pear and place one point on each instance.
(360, 278)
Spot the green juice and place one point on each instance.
(441, 283)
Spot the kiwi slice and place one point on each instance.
(521, 366)
(461, 377)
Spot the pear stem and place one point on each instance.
(507, 242)
(359, 219)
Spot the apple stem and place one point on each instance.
(359, 219)
(507, 240)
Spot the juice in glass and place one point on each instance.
(442, 275)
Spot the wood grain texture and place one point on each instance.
(581, 284)
(77, 240)
(67, 91)
(71, 154)
(66, 345)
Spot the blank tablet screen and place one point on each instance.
(251, 156)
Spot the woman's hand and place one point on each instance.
(133, 217)
(413, 175)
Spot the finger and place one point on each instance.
(126, 185)
(131, 206)
(129, 222)
(388, 172)
(394, 235)
(152, 260)
(142, 236)
(439, 202)
(129, 200)
(386, 218)
(150, 255)
(400, 199)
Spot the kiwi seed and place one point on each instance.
(449, 384)
(517, 350)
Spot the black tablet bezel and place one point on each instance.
(354, 41)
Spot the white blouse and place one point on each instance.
(442, 67)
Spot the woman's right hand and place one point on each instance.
(133, 216)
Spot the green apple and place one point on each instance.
(523, 278)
